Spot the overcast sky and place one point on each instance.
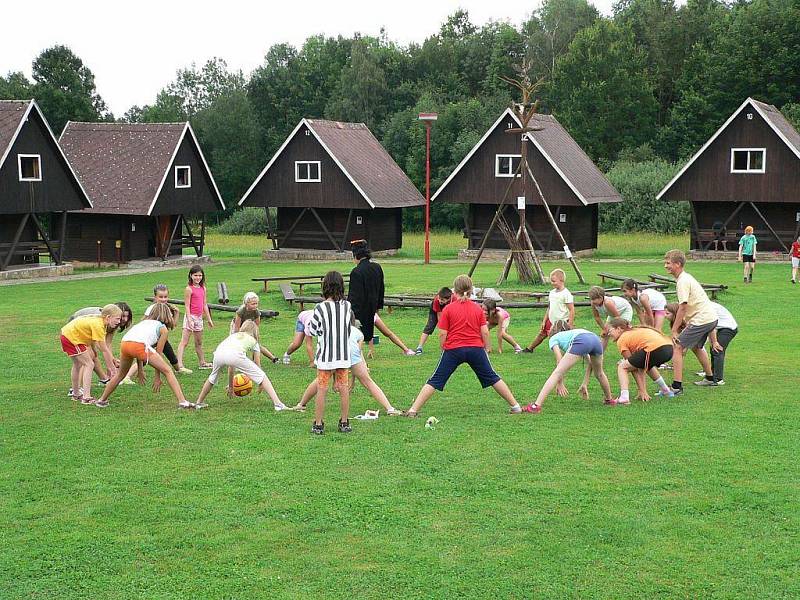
(135, 48)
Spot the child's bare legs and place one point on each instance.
(623, 367)
(658, 321)
(198, 346)
(344, 399)
(163, 367)
(322, 391)
(204, 392)
(507, 337)
(641, 385)
(361, 373)
(424, 395)
(424, 338)
(596, 365)
(297, 341)
(80, 362)
(310, 392)
(390, 334)
(185, 333)
(266, 386)
(257, 358)
(87, 369)
(564, 365)
(98, 366)
(124, 366)
(505, 393)
(310, 350)
(678, 355)
(705, 362)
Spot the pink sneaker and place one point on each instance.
(532, 408)
(611, 402)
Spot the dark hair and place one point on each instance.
(490, 305)
(333, 286)
(197, 269)
(123, 306)
(630, 284)
(445, 293)
(360, 249)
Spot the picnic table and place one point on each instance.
(302, 283)
(266, 280)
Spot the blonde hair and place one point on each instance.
(165, 313)
(250, 328)
(462, 286)
(748, 229)
(248, 297)
(559, 326)
(676, 256)
(596, 292)
(110, 310)
(559, 274)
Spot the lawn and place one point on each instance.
(694, 497)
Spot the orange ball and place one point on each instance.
(242, 384)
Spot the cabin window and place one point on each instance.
(505, 165)
(30, 167)
(183, 177)
(307, 170)
(748, 160)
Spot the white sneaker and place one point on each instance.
(128, 381)
(721, 382)
(287, 359)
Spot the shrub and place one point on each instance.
(639, 183)
(247, 221)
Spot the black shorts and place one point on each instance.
(433, 320)
(748, 258)
(645, 360)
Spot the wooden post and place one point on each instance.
(171, 237)
(567, 252)
(202, 234)
(325, 229)
(695, 225)
(191, 237)
(294, 226)
(45, 238)
(772, 231)
(15, 241)
(346, 229)
(63, 238)
(271, 233)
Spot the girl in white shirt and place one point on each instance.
(144, 345)
(232, 352)
(649, 303)
(609, 307)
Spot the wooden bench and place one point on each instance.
(266, 280)
(706, 237)
(301, 284)
(711, 288)
(222, 307)
(612, 277)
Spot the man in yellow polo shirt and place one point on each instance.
(696, 312)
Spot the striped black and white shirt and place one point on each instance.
(330, 324)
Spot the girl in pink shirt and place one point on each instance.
(194, 297)
(499, 317)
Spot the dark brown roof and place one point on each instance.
(574, 165)
(564, 155)
(122, 165)
(362, 159)
(773, 116)
(11, 113)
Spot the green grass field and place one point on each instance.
(694, 497)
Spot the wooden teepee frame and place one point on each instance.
(521, 251)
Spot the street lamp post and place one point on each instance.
(428, 119)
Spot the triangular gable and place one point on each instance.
(168, 170)
(289, 138)
(23, 120)
(509, 113)
(780, 126)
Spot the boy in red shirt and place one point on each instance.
(464, 338)
(795, 258)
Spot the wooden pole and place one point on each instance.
(271, 233)
(171, 237)
(571, 258)
(346, 229)
(45, 239)
(763, 218)
(324, 228)
(294, 226)
(203, 235)
(15, 241)
(63, 238)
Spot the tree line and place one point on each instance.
(639, 90)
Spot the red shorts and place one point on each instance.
(70, 348)
(547, 325)
(133, 350)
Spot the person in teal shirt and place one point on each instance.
(747, 253)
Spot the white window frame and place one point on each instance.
(748, 169)
(297, 164)
(189, 178)
(38, 157)
(497, 158)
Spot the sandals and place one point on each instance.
(186, 404)
(394, 413)
(99, 403)
(86, 400)
(206, 365)
(409, 413)
(299, 407)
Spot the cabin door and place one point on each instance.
(163, 231)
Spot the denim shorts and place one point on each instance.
(299, 327)
(586, 344)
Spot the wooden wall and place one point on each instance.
(8, 228)
(198, 199)
(58, 190)
(278, 187)
(84, 229)
(476, 182)
(709, 178)
(580, 228)
(382, 228)
(781, 215)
